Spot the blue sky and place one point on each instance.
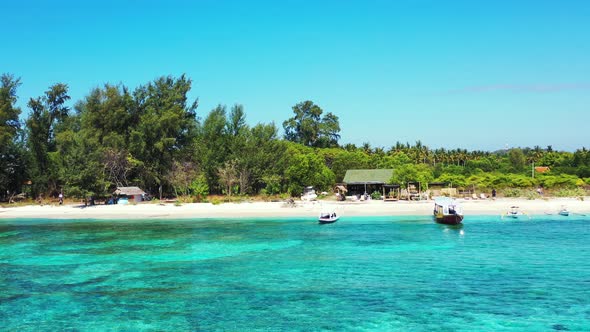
(470, 74)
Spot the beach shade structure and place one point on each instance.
(340, 192)
(132, 193)
(340, 189)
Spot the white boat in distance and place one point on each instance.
(514, 213)
(328, 217)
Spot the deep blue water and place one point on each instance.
(365, 273)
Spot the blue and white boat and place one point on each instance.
(564, 211)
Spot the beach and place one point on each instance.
(301, 209)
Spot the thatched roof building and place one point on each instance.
(132, 193)
(360, 181)
(129, 191)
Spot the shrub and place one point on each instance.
(376, 195)
(532, 195)
(521, 181)
(273, 184)
(181, 199)
(199, 188)
(567, 192)
(512, 192)
(559, 181)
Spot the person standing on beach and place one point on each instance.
(493, 193)
(61, 198)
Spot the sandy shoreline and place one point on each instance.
(282, 210)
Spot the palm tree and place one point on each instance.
(379, 151)
(367, 148)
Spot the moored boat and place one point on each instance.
(514, 213)
(447, 211)
(563, 211)
(328, 217)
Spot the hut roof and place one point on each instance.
(129, 191)
(368, 176)
(341, 188)
(541, 169)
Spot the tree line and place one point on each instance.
(153, 137)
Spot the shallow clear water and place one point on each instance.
(373, 274)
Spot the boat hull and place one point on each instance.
(327, 220)
(450, 219)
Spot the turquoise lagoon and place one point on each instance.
(362, 273)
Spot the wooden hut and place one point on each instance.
(367, 181)
(132, 193)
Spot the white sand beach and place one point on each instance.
(282, 210)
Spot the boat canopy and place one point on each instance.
(448, 205)
(444, 201)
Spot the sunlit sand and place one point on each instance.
(299, 209)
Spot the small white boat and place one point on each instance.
(514, 213)
(328, 217)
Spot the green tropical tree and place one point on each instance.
(344, 160)
(215, 147)
(517, 159)
(407, 173)
(12, 150)
(309, 128)
(108, 115)
(166, 128)
(78, 165)
(259, 158)
(306, 168)
(9, 113)
(48, 116)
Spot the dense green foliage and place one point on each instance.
(12, 151)
(153, 137)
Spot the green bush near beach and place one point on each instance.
(570, 192)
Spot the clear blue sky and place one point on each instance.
(470, 74)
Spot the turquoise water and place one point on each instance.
(359, 274)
